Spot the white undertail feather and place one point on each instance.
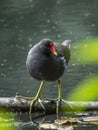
(66, 43)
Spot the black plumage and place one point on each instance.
(44, 64)
(47, 61)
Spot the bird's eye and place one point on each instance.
(47, 44)
(51, 44)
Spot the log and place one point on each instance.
(23, 105)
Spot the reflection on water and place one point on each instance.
(24, 23)
(49, 121)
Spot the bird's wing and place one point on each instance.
(66, 53)
(66, 49)
(63, 50)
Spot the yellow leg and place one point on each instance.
(59, 89)
(37, 97)
(40, 89)
(59, 97)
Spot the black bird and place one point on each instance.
(47, 61)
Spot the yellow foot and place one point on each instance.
(18, 96)
(35, 99)
(59, 100)
(58, 106)
(67, 103)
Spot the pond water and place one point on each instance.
(24, 23)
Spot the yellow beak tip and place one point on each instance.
(55, 53)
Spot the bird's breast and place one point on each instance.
(46, 68)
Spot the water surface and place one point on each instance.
(24, 23)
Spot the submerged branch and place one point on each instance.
(22, 105)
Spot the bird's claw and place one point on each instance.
(66, 102)
(59, 101)
(25, 98)
(18, 96)
(33, 102)
(40, 102)
(58, 106)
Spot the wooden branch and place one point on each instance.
(22, 105)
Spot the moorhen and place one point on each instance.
(47, 61)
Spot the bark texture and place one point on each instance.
(22, 105)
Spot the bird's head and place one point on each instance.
(48, 47)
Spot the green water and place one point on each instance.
(24, 23)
